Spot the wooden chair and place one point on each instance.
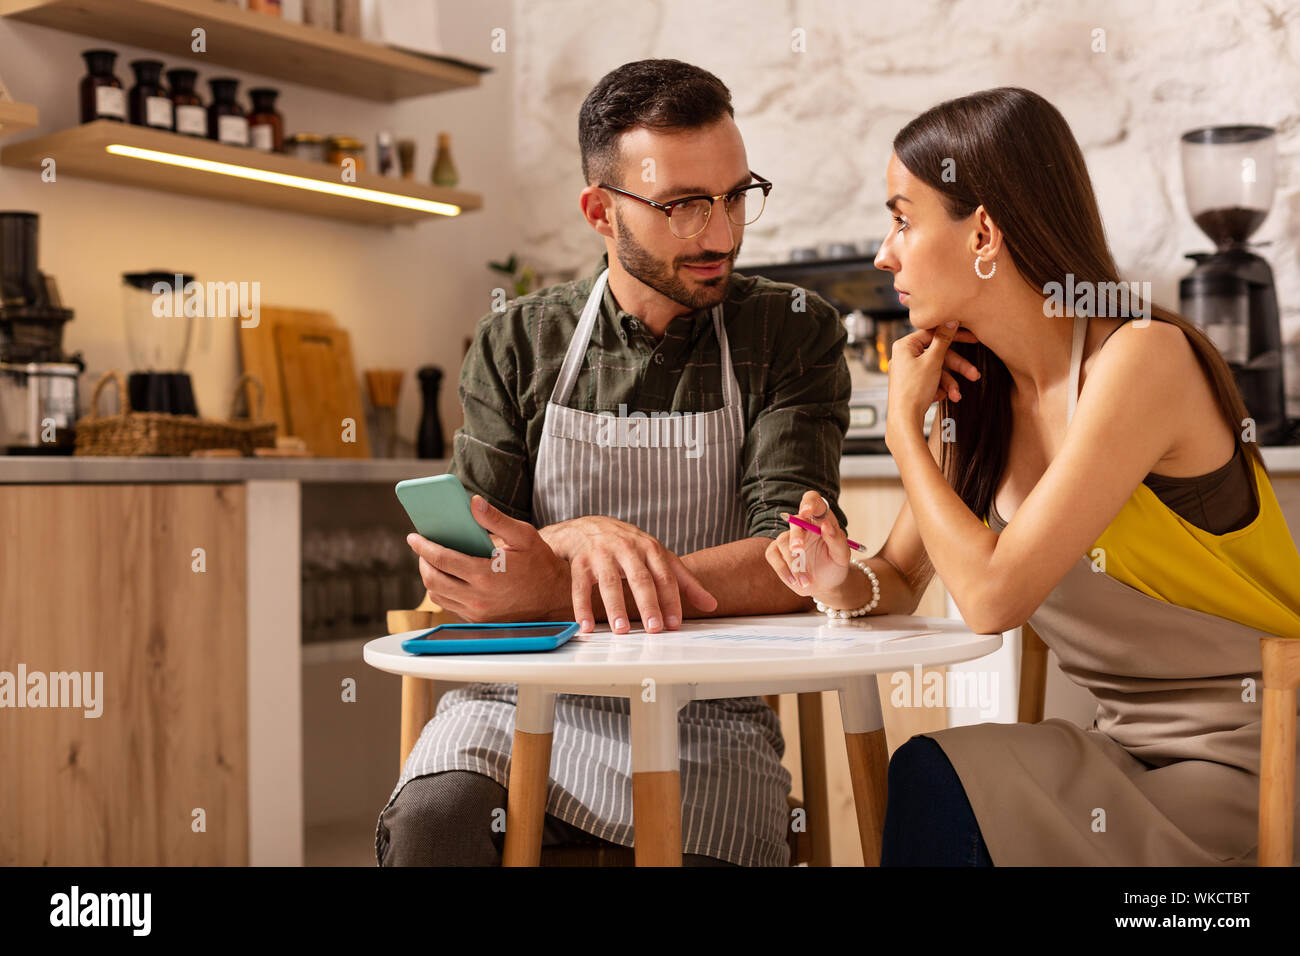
(811, 845)
(1281, 670)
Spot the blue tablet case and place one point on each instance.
(478, 645)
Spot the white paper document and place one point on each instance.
(759, 635)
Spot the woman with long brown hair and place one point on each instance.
(1130, 519)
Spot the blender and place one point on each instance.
(1228, 177)
(159, 323)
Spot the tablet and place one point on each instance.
(491, 638)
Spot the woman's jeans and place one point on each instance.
(929, 820)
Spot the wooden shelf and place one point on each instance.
(254, 42)
(16, 117)
(83, 152)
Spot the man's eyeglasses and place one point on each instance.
(689, 216)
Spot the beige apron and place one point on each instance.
(1168, 773)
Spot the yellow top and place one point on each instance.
(1251, 575)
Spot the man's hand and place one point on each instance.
(605, 551)
(518, 583)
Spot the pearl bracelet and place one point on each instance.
(834, 613)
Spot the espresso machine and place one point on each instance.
(845, 275)
(1228, 176)
(38, 381)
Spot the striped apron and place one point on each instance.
(678, 480)
(1168, 772)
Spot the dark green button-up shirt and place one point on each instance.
(790, 366)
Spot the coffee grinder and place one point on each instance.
(1228, 176)
(38, 381)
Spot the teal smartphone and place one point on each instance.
(439, 509)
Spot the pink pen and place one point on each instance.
(816, 530)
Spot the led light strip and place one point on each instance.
(285, 179)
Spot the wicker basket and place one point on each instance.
(131, 433)
(254, 431)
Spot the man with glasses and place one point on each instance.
(624, 524)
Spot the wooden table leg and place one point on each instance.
(656, 779)
(864, 735)
(530, 763)
(812, 758)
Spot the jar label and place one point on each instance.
(110, 101)
(192, 120)
(158, 112)
(263, 137)
(233, 130)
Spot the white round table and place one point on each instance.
(707, 658)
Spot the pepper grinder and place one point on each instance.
(429, 443)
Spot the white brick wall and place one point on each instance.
(819, 123)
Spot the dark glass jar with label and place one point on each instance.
(227, 122)
(102, 96)
(150, 103)
(265, 125)
(188, 112)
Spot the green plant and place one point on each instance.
(523, 279)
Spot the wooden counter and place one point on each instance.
(179, 581)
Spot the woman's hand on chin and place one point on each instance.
(921, 372)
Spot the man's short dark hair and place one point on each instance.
(658, 94)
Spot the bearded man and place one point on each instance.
(643, 527)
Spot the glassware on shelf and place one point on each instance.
(339, 148)
(361, 583)
(265, 124)
(314, 596)
(227, 122)
(406, 157)
(336, 599)
(345, 588)
(102, 96)
(394, 570)
(149, 102)
(306, 146)
(444, 169)
(189, 113)
(351, 579)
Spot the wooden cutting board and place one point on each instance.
(257, 352)
(320, 389)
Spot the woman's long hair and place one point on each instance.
(1013, 153)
